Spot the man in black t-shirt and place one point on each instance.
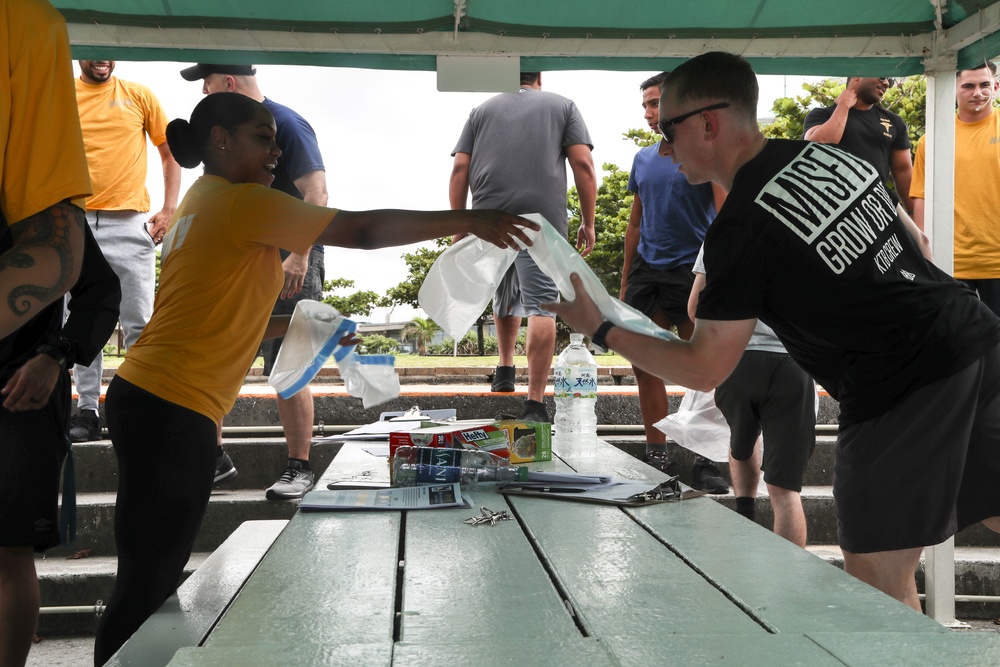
(809, 242)
(860, 126)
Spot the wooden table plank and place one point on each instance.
(788, 588)
(717, 650)
(291, 654)
(483, 583)
(558, 652)
(955, 649)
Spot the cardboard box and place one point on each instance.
(484, 435)
(528, 441)
(513, 439)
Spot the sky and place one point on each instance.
(387, 136)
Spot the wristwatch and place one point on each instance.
(54, 352)
(59, 348)
(598, 337)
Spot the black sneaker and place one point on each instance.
(536, 412)
(658, 459)
(224, 468)
(705, 476)
(503, 379)
(85, 427)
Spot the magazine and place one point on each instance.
(428, 496)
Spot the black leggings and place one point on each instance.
(166, 465)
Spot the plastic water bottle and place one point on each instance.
(575, 375)
(438, 465)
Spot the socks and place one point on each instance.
(303, 464)
(745, 505)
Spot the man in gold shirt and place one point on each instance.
(977, 183)
(116, 117)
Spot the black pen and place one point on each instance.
(554, 489)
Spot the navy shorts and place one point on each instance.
(650, 290)
(33, 446)
(523, 288)
(925, 469)
(312, 288)
(768, 392)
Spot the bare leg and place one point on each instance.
(746, 474)
(507, 328)
(18, 604)
(541, 346)
(296, 414)
(993, 523)
(892, 572)
(789, 519)
(653, 403)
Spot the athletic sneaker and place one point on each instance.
(535, 411)
(503, 379)
(658, 458)
(705, 476)
(294, 483)
(224, 468)
(85, 427)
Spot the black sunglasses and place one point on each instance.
(890, 81)
(666, 127)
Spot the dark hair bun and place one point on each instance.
(183, 144)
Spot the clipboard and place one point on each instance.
(622, 494)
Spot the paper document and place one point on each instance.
(430, 496)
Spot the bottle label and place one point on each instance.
(437, 474)
(575, 381)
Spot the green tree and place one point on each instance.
(908, 98)
(614, 202)
(422, 331)
(378, 344)
(353, 304)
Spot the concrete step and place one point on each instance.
(259, 461)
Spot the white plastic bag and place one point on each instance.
(370, 377)
(313, 335)
(461, 283)
(463, 279)
(698, 425)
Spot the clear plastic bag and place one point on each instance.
(698, 425)
(463, 279)
(370, 377)
(461, 282)
(313, 335)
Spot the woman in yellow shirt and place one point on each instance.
(220, 274)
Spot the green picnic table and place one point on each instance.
(564, 583)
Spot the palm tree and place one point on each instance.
(421, 330)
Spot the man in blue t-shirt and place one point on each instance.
(666, 228)
(301, 174)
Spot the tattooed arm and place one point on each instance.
(43, 264)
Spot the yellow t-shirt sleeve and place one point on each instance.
(43, 160)
(270, 217)
(156, 118)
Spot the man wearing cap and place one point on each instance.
(116, 117)
(300, 173)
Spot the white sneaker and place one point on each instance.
(294, 483)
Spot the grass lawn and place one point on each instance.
(415, 361)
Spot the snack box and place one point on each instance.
(528, 441)
(481, 434)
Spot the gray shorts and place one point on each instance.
(523, 288)
(924, 470)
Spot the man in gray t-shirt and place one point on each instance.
(512, 156)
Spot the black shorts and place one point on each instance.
(33, 446)
(924, 470)
(650, 290)
(312, 288)
(768, 392)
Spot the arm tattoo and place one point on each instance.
(47, 229)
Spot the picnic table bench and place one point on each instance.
(564, 583)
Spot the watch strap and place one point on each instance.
(598, 337)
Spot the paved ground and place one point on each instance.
(79, 651)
